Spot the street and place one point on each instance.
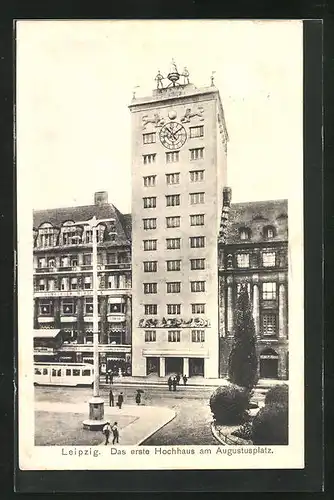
(191, 426)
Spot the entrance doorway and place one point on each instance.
(196, 367)
(269, 364)
(174, 365)
(152, 366)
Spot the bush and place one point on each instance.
(229, 403)
(270, 426)
(244, 431)
(279, 394)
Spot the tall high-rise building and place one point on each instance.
(179, 146)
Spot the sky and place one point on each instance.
(75, 80)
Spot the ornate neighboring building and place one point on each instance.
(63, 282)
(253, 249)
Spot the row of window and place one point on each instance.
(175, 221)
(174, 156)
(151, 266)
(175, 243)
(73, 260)
(175, 336)
(152, 309)
(268, 259)
(69, 306)
(268, 232)
(68, 372)
(48, 236)
(173, 200)
(174, 178)
(66, 283)
(174, 287)
(194, 132)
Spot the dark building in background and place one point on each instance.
(63, 281)
(253, 249)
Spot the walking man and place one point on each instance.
(111, 377)
(120, 400)
(178, 378)
(185, 378)
(106, 431)
(138, 397)
(115, 433)
(174, 382)
(170, 383)
(111, 398)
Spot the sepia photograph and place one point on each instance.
(160, 244)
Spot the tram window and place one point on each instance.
(59, 373)
(76, 373)
(54, 372)
(38, 371)
(85, 373)
(45, 371)
(68, 372)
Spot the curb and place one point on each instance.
(151, 433)
(215, 434)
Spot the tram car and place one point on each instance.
(65, 374)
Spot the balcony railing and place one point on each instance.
(84, 267)
(82, 293)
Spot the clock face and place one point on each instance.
(173, 135)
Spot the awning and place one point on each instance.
(49, 333)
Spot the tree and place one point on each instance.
(242, 366)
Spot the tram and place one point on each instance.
(65, 374)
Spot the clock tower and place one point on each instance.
(179, 146)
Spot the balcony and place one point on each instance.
(105, 348)
(82, 293)
(118, 265)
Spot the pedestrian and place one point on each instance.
(170, 383)
(111, 398)
(178, 378)
(174, 382)
(185, 378)
(115, 433)
(120, 400)
(107, 377)
(106, 431)
(138, 397)
(111, 377)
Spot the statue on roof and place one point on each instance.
(185, 75)
(173, 75)
(159, 79)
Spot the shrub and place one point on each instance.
(270, 426)
(279, 394)
(244, 431)
(229, 403)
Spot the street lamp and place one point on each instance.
(96, 419)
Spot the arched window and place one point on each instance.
(269, 232)
(47, 235)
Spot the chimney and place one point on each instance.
(227, 195)
(101, 198)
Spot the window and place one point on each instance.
(87, 282)
(150, 245)
(68, 372)
(173, 308)
(150, 266)
(269, 232)
(196, 131)
(89, 306)
(85, 373)
(150, 223)
(87, 259)
(196, 175)
(41, 285)
(196, 198)
(198, 335)
(64, 284)
(45, 308)
(150, 288)
(173, 178)
(147, 159)
(269, 324)
(149, 180)
(173, 221)
(76, 372)
(38, 371)
(150, 309)
(42, 262)
(173, 265)
(269, 259)
(111, 258)
(198, 308)
(116, 308)
(68, 307)
(244, 234)
(150, 202)
(172, 157)
(197, 154)
(173, 243)
(150, 336)
(64, 261)
(269, 291)
(174, 336)
(197, 264)
(74, 283)
(74, 261)
(173, 287)
(51, 263)
(172, 200)
(197, 220)
(45, 371)
(197, 241)
(197, 286)
(243, 260)
(149, 138)
(88, 236)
